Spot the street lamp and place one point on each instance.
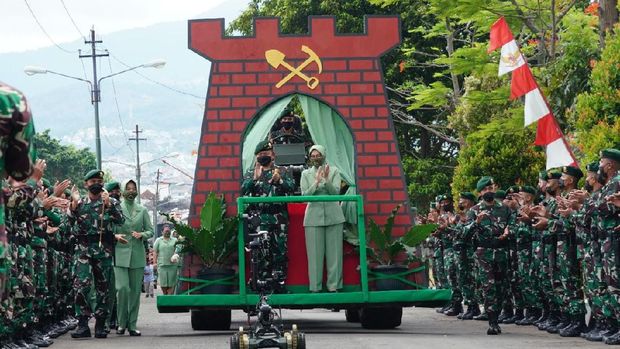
(95, 91)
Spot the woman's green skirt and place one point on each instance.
(167, 275)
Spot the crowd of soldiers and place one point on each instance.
(56, 244)
(535, 256)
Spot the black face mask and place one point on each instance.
(116, 196)
(488, 196)
(550, 191)
(448, 207)
(461, 207)
(95, 189)
(287, 124)
(588, 187)
(264, 160)
(601, 176)
(561, 183)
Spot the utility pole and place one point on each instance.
(138, 139)
(96, 93)
(156, 202)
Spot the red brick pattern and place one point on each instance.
(242, 83)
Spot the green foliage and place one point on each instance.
(596, 119)
(383, 248)
(64, 161)
(426, 177)
(216, 240)
(502, 149)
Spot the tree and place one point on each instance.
(64, 161)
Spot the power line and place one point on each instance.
(118, 109)
(71, 18)
(157, 82)
(45, 31)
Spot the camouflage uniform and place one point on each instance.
(523, 280)
(548, 272)
(93, 253)
(272, 217)
(463, 247)
(608, 220)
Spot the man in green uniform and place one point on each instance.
(464, 249)
(489, 219)
(130, 258)
(94, 215)
(608, 222)
(268, 180)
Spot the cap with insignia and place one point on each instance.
(500, 194)
(468, 196)
(592, 167)
(111, 186)
(513, 189)
(94, 174)
(46, 183)
(543, 175)
(286, 112)
(263, 146)
(528, 189)
(611, 153)
(484, 182)
(554, 174)
(572, 171)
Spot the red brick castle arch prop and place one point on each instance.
(341, 70)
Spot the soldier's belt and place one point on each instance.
(524, 246)
(549, 240)
(492, 244)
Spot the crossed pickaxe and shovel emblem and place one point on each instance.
(275, 58)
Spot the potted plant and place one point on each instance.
(214, 242)
(391, 255)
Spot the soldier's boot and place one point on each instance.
(493, 324)
(482, 316)
(39, 340)
(613, 330)
(456, 309)
(472, 310)
(596, 334)
(565, 320)
(552, 320)
(593, 326)
(544, 315)
(82, 331)
(527, 318)
(507, 313)
(518, 316)
(23, 345)
(442, 309)
(613, 340)
(575, 328)
(449, 309)
(100, 331)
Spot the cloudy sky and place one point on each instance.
(108, 16)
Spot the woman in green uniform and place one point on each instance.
(323, 222)
(130, 259)
(164, 249)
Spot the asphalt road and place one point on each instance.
(421, 328)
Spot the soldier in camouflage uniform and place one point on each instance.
(268, 180)
(464, 249)
(608, 222)
(287, 129)
(447, 233)
(16, 132)
(514, 303)
(488, 223)
(568, 284)
(95, 216)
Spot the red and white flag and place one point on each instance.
(548, 132)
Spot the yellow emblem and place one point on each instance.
(511, 60)
(275, 58)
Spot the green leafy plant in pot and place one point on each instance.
(214, 242)
(391, 255)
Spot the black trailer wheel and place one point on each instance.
(301, 341)
(380, 318)
(211, 319)
(234, 341)
(352, 314)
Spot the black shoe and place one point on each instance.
(494, 328)
(82, 331)
(612, 332)
(135, 333)
(492, 331)
(528, 318)
(613, 340)
(120, 331)
(565, 320)
(544, 316)
(506, 314)
(552, 320)
(481, 317)
(22, 344)
(39, 341)
(455, 310)
(596, 334)
(575, 328)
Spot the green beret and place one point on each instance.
(442, 197)
(286, 112)
(67, 192)
(572, 171)
(433, 205)
(528, 189)
(592, 167)
(262, 146)
(484, 182)
(513, 189)
(554, 174)
(111, 186)
(543, 175)
(468, 196)
(93, 174)
(46, 183)
(611, 153)
(500, 194)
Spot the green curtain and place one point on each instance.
(260, 130)
(329, 130)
